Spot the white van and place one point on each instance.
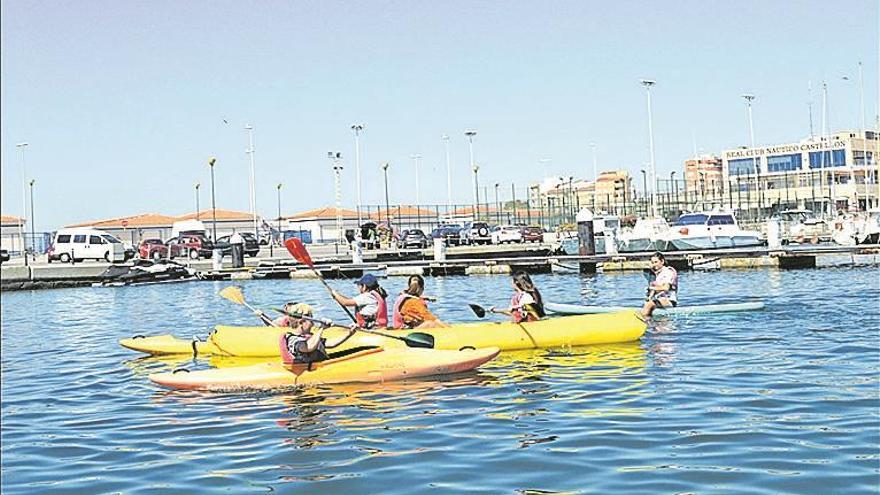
(83, 243)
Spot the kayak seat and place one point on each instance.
(353, 350)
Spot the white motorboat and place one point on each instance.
(710, 230)
(648, 234)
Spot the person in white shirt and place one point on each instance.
(662, 286)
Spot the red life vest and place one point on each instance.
(518, 313)
(380, 319)
(288, 357)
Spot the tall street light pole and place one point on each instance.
(470, 133)
(211, 162)
(445, 139)
(595, 173)
(387, 204)
(250, 151)
(198, 185)
(829, 164)
(358, 128)
(644, 187)
(33, 229)
(647, 83)
(415, 158)
(755, 160)
(22, 147)
(336, 159)
(673, 187)
(497, 205)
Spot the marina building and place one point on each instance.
(837, 170)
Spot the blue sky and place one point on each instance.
(123, 102)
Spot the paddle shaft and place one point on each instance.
(408, 341)
(255, 310)
(298, 250)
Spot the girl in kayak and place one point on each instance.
(662, 287)
(526, 304)
(300, 345)
(371, 310)
(410, 309)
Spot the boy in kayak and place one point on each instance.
(662, 287)
(526, 304)
(371, 310)
(410, 309)
(300, 345)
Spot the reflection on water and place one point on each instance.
(776, 401)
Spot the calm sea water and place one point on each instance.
(778, 401)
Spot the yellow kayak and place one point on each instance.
(604, 328)
(360, 365)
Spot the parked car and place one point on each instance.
(251, 244)
(532, 233)
(4, 256)
(506, 233)
(451, 233)
(152, 249)
(412, 238)
(86, 243)
(192, 246)
(476, 233)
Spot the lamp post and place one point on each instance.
(674, 187)
(470, 133)
(647, 83)
(755, 161)
(497, 205)
(415, 158)
(336, 159)
(387, 203)
(445, 139)
(476, 211)
(33, 228)
(211, 162)
(595, 173)
(644, 189)
(832, 206)
(250, 151)
(280, 236)
(198, 185)
(358, 128)
(22, 147)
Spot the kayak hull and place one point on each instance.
(576, 309)
(365, 365)
(605, 328)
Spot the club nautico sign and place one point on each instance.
(786, 148)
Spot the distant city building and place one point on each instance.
(704, 175)
(10, 233)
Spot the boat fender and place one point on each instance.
(179, 370)
(466, 347)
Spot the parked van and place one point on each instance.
(84, 243)
(188, 227)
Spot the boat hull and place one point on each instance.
(608, 328)
(369, 365)
(576, 309)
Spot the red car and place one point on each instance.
(192, 246)
(152, 248)
(532, 234)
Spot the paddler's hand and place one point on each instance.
(352, 328)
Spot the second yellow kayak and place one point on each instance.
(605, 328)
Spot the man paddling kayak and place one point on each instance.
(662, 287)
(300, 345)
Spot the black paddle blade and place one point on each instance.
(478, 310)
(419, 339)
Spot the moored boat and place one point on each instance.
(357, 365)
(648, 234)
(710, 230)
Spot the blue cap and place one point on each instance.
(368, 280)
